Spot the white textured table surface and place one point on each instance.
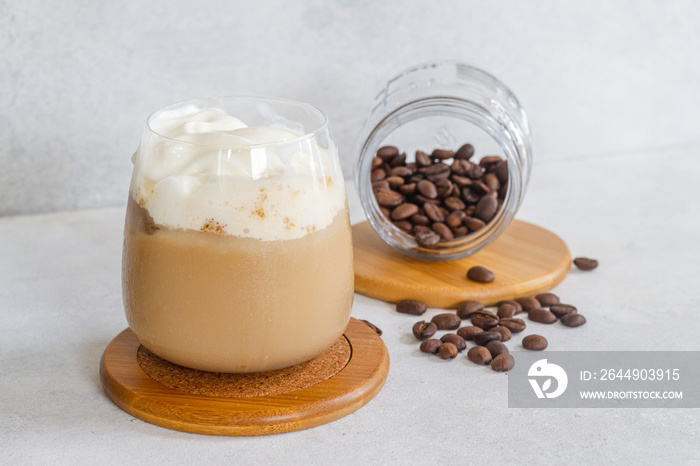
(639, 214)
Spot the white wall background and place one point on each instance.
(79, 78)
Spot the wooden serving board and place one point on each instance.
(143, 397)
(526, 260)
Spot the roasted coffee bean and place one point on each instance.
(484, 319)
(534, 342)
(461, 167)
(411, 306)
(420, 228)
(467, 308)
(443, 230)
(506, 310)
(484, 337)
(503, 363)
(486, 207)
(502, 172)
(442, 154)
(389, 198)
(377, 162)
(479, 355)
(427, 239)
(408, 189)
(547, 299)
(435, 171)
(475, 172)
(373, 327)
(584, 263)
(495, 347)
(430, 346)
(455, 218)
(518, 307)
(427, 189)
(455, 340)
(454, 203)
(423, 159)
(461, 181)
(475, 224)
(424, 200)
(504, 331)
(489, 160)
(404, 225)
(433, 212)
(386, 212)
(514, 325)
(394, 181)
(419, 219)
(377, 174)
(398, 160)
(491, 180)
(404, 211)
(382, 185)
(447, 321)
(448, 351)
(470, 196)
(573, 319)
(528, 304)
(480, 187)
(542, 316)
(424, 330)
(387, 153)
(468, 332)
(400, 171)
(480, 274)
(560, 310)
(465, 152)
(460, 231)
(444, 188)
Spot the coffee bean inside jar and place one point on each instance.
(441, 196)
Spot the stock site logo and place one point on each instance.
(542, 370)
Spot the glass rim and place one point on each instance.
(323, 125)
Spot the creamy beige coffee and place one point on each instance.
(240, 262)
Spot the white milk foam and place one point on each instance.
(206, 170)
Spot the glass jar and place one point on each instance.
(237, 245)
(444, 105)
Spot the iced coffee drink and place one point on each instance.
(237, 247)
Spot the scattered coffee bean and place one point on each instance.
(411, 306)
(506, 310)
(504, 331)
(518, 307)
(479, 355)
(448, 351)
(447, 321)
(573, 319)
(485, 337)
(534, 342)
(424, 330)
(480, 274)
(542, 316)
(528, 304)
(484, 319)
(431, 346)
(547, 299)
(373, 327)
(503, 363)
(467, 308)
(584, 263)
(514, 325)
(468, 332)
(560, 310)
(455, 340)
(495, 347)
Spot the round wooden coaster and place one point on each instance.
(298, 401)
(526, 260)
